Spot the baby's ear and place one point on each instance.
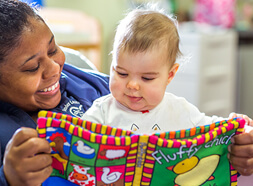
(172, 72)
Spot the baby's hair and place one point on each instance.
(146, 27)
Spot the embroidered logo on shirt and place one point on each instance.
(76, 111)
(74, 107)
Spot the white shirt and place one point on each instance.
(173, 113)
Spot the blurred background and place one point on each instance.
(216, 40)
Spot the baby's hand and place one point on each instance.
(249, 122)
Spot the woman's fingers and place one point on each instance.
(241, 164)
(244, 151)
(37, 162)
(22, 134)
(25, 143)
(27, 160)
(36, 178)
(241, 153)
(243, 139)
(32, 178)
(33, 146)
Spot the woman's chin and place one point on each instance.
(46, 104)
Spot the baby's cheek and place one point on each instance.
(154, 97)
(115, 85)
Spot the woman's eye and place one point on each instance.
(34, 69)
(53, 52)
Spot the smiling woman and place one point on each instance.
(33, 77)
(35, 66)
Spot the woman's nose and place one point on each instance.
(51, 69)
(133, 84)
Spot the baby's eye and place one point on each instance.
(147, 78)
(122, 74)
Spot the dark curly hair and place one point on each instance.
(14, 17)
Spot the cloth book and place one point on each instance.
(92, 154)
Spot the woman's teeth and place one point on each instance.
(50, 88)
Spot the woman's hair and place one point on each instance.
(14, 18)
(145, 28)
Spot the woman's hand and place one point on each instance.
(241, 153)
(27, 161)
(241, 150)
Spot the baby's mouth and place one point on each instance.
(134, 99)
(49, 89)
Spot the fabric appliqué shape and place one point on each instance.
(109, 177)
(145, 111)
(83, 150)
(188, 168)
(112, 152)
(156, 127)
(80, 176)
(134, 127)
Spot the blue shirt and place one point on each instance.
(79, 88)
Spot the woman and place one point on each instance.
(33, 77)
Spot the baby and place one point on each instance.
(145, 49)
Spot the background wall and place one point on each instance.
(108, 12)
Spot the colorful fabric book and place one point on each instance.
(92, 154)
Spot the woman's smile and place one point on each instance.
(51, 89)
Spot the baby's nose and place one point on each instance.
(132, 84)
